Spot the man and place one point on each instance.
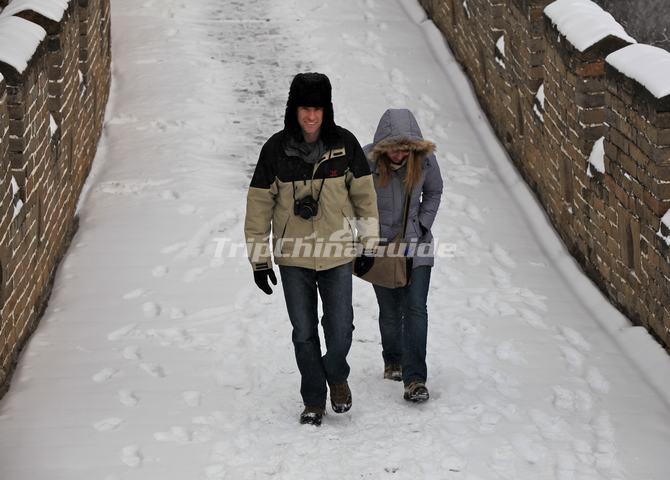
(311, 186)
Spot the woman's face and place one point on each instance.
(397, 156)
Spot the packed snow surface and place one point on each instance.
(51, 9)
(648, 65)
(159, 359)
(584, 23)
(19, 40)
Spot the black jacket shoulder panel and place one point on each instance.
(266, 167)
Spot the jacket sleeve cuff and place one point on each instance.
(263, 265)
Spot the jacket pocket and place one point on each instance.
(280, 235)
(346, 222)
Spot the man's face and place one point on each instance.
(309, 119)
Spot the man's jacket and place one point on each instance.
(347, 217)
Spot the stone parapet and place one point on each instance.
(50, 123)
(593, 143)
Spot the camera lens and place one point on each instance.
(306, 207)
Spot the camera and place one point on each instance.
(306, 207)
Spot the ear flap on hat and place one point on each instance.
(311, 89)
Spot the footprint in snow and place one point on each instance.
(502, 257)
(575, 338)
(488, 422)
(128, 398)
(564, 399)
(122, 120)
(583, 401)
(533, 319)
(574, 359)
(187, 209)
(193, 274)
(132, 352)
(454, 464)
(473, 212)
(550, 427)
(160, 271)
(170, 195)
(471, 236)
(153, 369)
(121, 332)
(132, 456)
(214, 472)
(529, 449)
(503, 459)
(108, 424)
(105, 375)
(175, 247)
(501, 278)
(596, 381)
(429, 102)
(176, 313)
(506, 351)
(176, 434)
(372, 40)
(133, 294)
(440, 132)
(151, 309)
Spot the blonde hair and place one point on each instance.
(414, 164)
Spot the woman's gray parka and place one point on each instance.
(399, 129)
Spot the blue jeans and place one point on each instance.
(403, 323)
(300, 291)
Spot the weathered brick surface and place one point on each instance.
(609, 221)
(50, 122)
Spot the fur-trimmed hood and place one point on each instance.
(398, 129)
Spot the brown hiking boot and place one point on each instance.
(416, 392)
(312, 416)
(393, 371)
(340, 397)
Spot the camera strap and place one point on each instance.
(318, 195)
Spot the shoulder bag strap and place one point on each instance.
(405, 213)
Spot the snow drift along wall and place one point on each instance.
(55, 64)
(587, 126)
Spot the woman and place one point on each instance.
(403, 163)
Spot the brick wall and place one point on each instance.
(609, 221)
(51, 118)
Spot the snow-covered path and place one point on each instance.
(159, 359)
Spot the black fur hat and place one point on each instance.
(310, 90)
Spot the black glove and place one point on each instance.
(261, 279)
(363, 264)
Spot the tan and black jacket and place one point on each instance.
(347, 216)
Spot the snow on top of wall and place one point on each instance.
(665, 220)
(52, 9)
(648, 65)
(500, 45)
(584, 23)
(500, 51)
(18, 203)
(540, 95)
(597, 157)
(19, 40)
